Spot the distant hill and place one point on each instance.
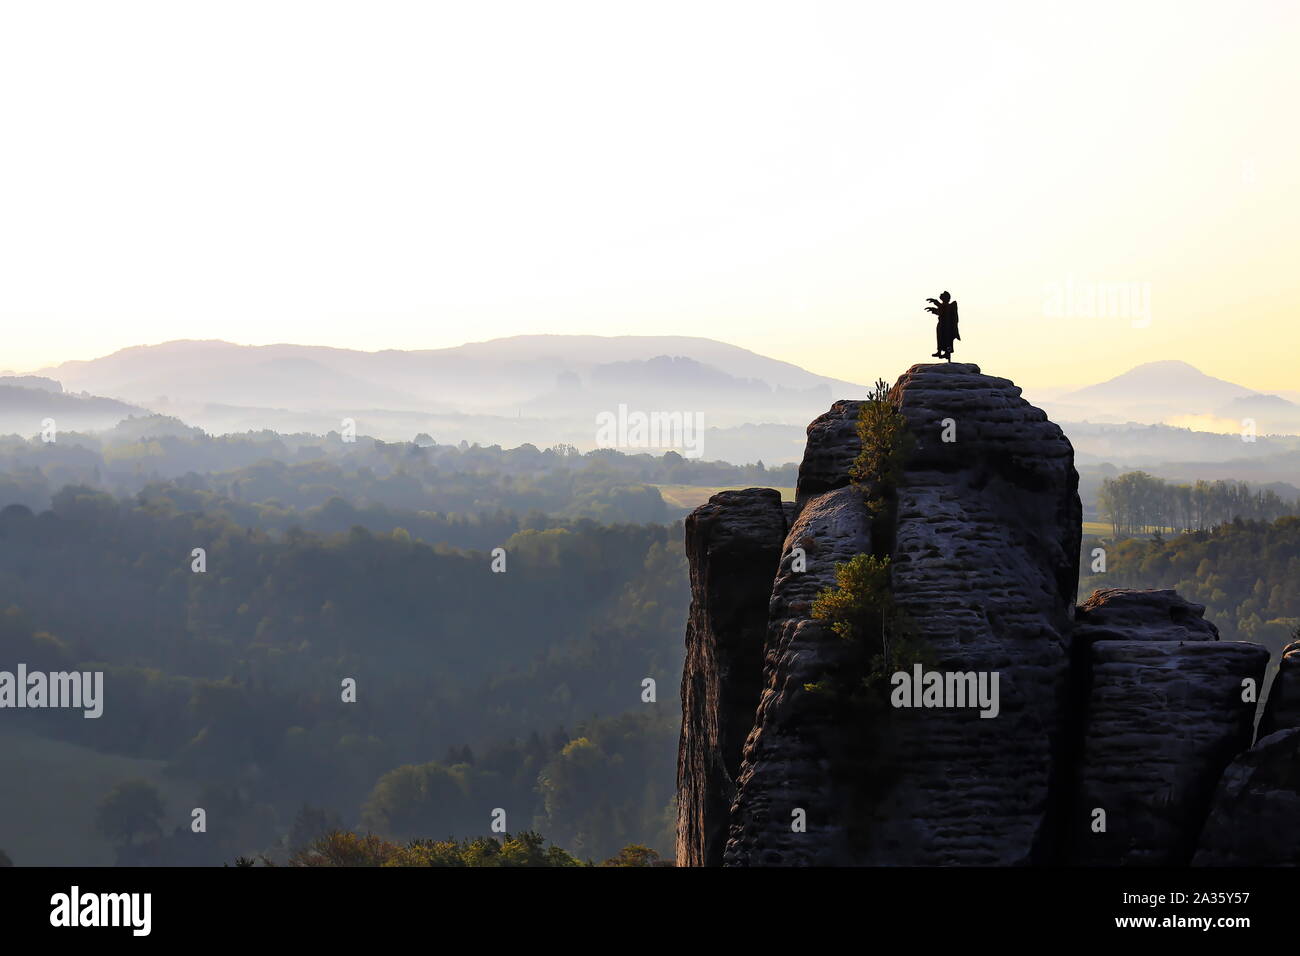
(538, 388)
(1271, 413)
(22, 410)
(493, 375)
(589, 350)
(664, 371)
(32, 381)
(1179, 394)
(1161, 382)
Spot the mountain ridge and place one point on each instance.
(735, 360)
(1168, 372)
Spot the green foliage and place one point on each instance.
(823, 687)
(861, 607)
(311, 823)
(885, 444)
(608, 784)
(415, 798)
(472, 496)
(231, 677)
(340, 848)
(369, 560)
(612, 784)
(860, 600)
(903, 648)
(1246, 573)
(526, 849)
(634, 855)
(1137, 503)
(132, 808)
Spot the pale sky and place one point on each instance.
(794, 178)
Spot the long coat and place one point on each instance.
(948, 325)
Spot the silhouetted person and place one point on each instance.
(945, 331)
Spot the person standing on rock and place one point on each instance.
(945, 331)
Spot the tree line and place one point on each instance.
(293, 473)
(1246, 573)
(232, 676)
(1138, 503)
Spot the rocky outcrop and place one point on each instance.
(1163, 719)
(1164, 711)
(1253, 819)
(832, 446)
(734, 544)
(986, 566)
(1117, 614)
(798, 759)
(1282, 708)
(985, 552)
(1128, 703)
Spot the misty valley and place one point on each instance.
(492, 613)
(853, 442)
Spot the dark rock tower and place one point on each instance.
(983, 545)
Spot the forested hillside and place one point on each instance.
(1246, 573)
(233, 675)
(477, 689)
(262, 479)
(1136, 503)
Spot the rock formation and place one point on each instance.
(986, 563)
(734, 543)
(1282, 709)
(1129, 703)
(1163, 719)
(1164, 713)
(1253, 819)
(797, 757)
(1117, 614)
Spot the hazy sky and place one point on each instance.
(794, 178)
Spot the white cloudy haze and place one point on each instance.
(792, 178)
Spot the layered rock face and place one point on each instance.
(1163, 720)
(797, 758)
(985, 552)
(985, 562)
(1253, 819)
(832, 447)
(1166, 710)
(1130, 703)
(1282, 709)
(1117, 614)
(733, 543)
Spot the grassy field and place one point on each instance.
(690, 497)
(48, 793)
(1103, 529)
